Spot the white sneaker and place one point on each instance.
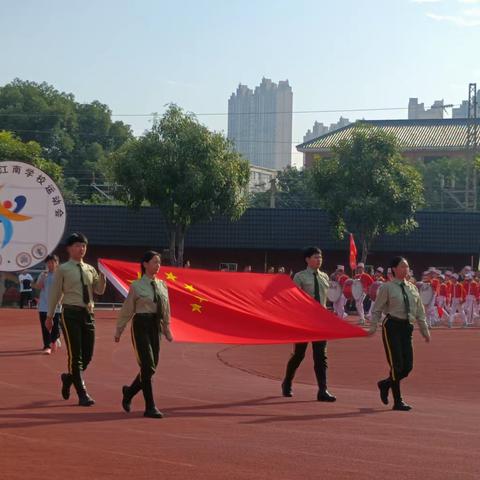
(56, 345)
(47, 351)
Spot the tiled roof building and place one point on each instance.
(421, 139)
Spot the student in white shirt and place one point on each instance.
(26, 292)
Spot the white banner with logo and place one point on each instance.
(32, 216)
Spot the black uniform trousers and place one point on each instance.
(49, 337)
(397, 340)
(320, 364)
(146, 343)
(78, 326)
(25, 298)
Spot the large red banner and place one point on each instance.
(237, 308)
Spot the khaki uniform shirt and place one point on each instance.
(390, 301)
(306, 281)
(67, 283)
(140, 299)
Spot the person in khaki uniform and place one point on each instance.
(75, 281)
(400, 301)
(315, 283)
(147, 303)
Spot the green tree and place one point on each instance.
(12, 148)
(76, 136)
(292, 189)
(443, 180)
(367, 187)
(189, 172)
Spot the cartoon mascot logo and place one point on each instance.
(9, 212)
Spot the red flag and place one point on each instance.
(353, 253)
(241, 308)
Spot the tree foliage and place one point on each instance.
(189, 172)
(367, 187)
(12, 148)
(292, 190)
(443, 180)
(73, 135)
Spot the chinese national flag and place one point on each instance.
(353, 253)
(237, 308)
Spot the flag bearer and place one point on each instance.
(76, 281)
(401, 303)
(315, 283)
(148, 307)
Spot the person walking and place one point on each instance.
(76, 281)
(400, 301)
(315, 283)
(148, 307)
(51, 339)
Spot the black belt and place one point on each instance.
(75, 307)
(396, 319)
(146, 315)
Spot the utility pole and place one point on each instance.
(273, 192)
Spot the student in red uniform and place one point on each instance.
(378, 275)
(458, 297)
(341, 277)
(471, 296)
(476, 305)
(448, 282)
(442, 297)
(366, 281)
(389, 275)
(431, 309)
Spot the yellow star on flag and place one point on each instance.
(196, 307)
(171, 276)
(189, 287)
(139, 276)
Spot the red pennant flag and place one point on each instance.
(240, 308)
(353, 253)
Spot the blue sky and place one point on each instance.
(137, 56)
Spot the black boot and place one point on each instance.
(151, 410)
(66, 384)
(84, 399)
(320, 368)
(324, 395)
(398, 404)
(384, 387)
(129, 392)
(287, 381)
(287, 388)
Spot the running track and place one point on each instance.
(225, 418)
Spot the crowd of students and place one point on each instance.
(445, 295)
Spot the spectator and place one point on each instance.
(51, 339)
(26, 292)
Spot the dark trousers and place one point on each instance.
(49, 337)
(397, 340)
(146, 343)
(78, 327)
(25, 298)
(320, 364)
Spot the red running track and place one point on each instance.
(225, 418)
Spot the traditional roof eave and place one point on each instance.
(434, 135)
